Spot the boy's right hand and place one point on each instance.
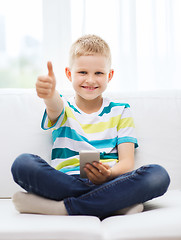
(45, 85)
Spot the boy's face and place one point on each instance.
(89, 76)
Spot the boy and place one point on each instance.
(86, 122)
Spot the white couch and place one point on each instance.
(158, 122)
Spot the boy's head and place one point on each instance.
(89, 45)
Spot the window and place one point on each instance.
(144, 37)
(20, 42)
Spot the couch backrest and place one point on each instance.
(21, 112)
(157, 118)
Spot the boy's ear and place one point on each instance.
(110, 76)
(68, 73)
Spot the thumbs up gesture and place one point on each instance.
(45, 85)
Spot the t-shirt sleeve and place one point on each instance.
(126, 128)
(46, 123)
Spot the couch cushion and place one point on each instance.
(160, 220)
(34, 227)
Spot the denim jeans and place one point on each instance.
(82, 197)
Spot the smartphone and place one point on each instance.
(87, 156)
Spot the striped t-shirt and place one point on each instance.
(102, 131)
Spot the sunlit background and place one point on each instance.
(144, 36)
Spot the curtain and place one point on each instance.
(57, 37)
(144, 36)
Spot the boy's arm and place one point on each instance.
(45, 87)
(126, 159)
(54, 107)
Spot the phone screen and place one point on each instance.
(87, 156)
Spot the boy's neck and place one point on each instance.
(89, 106)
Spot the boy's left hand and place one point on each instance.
(98, 173)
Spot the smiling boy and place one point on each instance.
(88, 121)
(89, 76)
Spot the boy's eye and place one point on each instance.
(98, 73)
(83, 72)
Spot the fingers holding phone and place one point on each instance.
(98, 173)
(91, 168)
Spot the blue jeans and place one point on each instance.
(82, 197)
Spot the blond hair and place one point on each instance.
(89, 45)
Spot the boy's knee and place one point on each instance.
(21, 163)
(162, 174)
(20, 160)
(160, 177)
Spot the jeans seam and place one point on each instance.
(68, 205)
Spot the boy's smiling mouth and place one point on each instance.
(89, 88)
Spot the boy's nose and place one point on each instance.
(90, 79)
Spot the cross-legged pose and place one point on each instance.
(87, 121)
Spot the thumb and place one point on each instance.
(50, 69)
